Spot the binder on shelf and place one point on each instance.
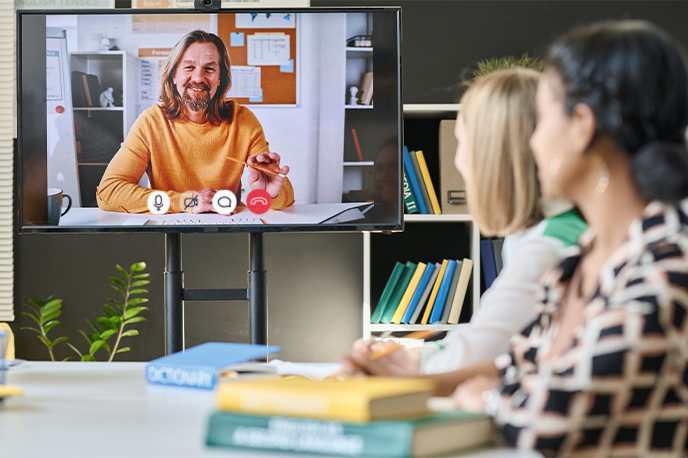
(387, 292)
(424, 296)
(438, 306)
(91, 89)
(497, 246)
(415, 187)
(452, 186)
(421, 183)
(433, 293)
(399, 291)
(410, 204)
(488, 260)
(78, 95)
(408, 294)
(367, 89)
(452, 292)
(415, 299)
(425, 173)
(461, 288)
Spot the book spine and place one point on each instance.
(408, 165)
(426, 293)
(380, 439)
(387, 292)
(433, 294)
(406, 298)
(428, 182)
(192, 377)
(443, 291)
(421, 182)
(461, 288)
(417, 294)
(452, 293)
(410, 203)
(400, 289)
(487, 259)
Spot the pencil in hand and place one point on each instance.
(257, 167)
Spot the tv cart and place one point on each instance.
(175, 294)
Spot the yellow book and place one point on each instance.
(355, 399)
(461, 288)
(428, 183)
(7, 390)
(406, 298)
(433, 293)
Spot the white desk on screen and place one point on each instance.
(74, 410)
(298, 214)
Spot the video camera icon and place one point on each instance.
(224, 202)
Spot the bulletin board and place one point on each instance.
(275, 75)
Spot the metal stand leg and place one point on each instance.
(174, 281)
(258, 290)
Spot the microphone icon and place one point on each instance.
(158, 202)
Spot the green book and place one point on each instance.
(387, 292)
(442, 433)
(398, 292)
(410, 203)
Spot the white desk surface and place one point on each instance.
(298, 214)
(75, 409)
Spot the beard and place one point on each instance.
(193, 103)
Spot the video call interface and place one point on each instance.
(236, 119)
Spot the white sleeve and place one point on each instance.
(505, 308)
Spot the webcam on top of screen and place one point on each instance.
(207, 5)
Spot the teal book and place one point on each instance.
(410, 204)
(413, 179)
(442, 433)
(387, 292)
(441, 298)
(198, 367)
(399, 291)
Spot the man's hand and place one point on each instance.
(402, 362)
(258, 179)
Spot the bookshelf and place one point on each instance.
(100, 131)
(425, 237)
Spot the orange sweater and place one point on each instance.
(180, 156)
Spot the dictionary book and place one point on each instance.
(199, 367)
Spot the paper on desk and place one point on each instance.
(316, 371)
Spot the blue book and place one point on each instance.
(488, 261)
(415, 187)
(418, 293)
(441, 298)
(198, 367)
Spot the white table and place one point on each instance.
(75, 409)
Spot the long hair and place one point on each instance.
(172, 104)
(503, 192)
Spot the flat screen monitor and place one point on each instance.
(184, 121)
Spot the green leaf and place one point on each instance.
(136, 277)
(45, 341)
(93, 326)
(75, 349)
(123, 349)
(58, 340)
(94, 337)
(52, 306)
(133, 311)
(95, 346)
(140, 283)
(116, 321)
(32, 317)
(67, 358)
(134, 320)
(118, 281)
(111, 309)
(88, 339)
(88, 358)
(119, 305)
(37, 302)
(107, 347)
(107, 334)
(105, 323)
(137, 300)
(131, 332)
(36, 310)
(48, 326)
(138, 291)
(31, 329)
(118, 290)
(122, 271)
(138, 267)
(50, 316)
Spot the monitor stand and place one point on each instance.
(256, 294)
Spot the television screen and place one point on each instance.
(176, 120)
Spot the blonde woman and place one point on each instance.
(493, 128)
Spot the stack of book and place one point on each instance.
(419, 193)
(356, 416)
(424, 293)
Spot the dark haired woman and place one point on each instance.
(603, 370)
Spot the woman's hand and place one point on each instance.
(401, 362)
(472, 394)
(259, 179)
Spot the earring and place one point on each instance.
(603, 181)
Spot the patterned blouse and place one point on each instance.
(622, 388)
